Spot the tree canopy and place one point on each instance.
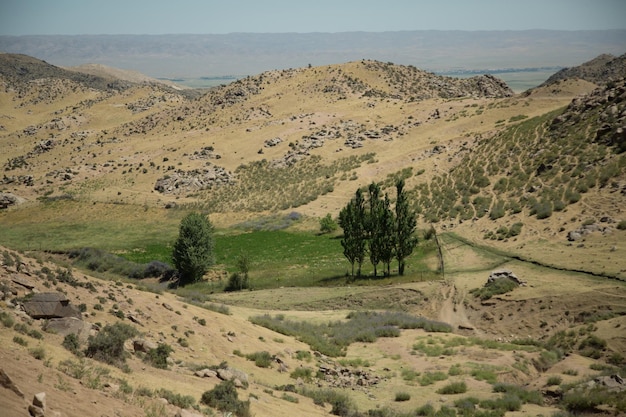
(193, 250)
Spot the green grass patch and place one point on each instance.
(333, 338)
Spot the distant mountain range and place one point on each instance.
(237, 54)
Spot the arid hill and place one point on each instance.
(526, 188)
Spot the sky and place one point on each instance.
(80, 17)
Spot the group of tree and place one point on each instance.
(371, 227)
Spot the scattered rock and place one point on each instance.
(206, 373)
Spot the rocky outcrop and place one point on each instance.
(505, 274)
(600, 70)
(50, 305)
(608, 104)
(188, 181)
(342, 377)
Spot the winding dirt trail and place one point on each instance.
(452, 310)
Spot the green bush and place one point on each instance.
(328, 224)
(179, 400)
(72, 343)
(237, 282)
(621, 225)
(495, 287)
(158, 357)
(261, 359)
(6, 319)
(453, 388)
(224, 397)
(301, 372)
(554, 380)
(38, 353)
(20, 340)
(402, 396)
(108, 345)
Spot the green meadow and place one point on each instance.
(278, 257)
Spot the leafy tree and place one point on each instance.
(352, 221)
(388, 239)
(406, 224)
(327, 224)
(193, 250)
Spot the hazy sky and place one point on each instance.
(73, 17)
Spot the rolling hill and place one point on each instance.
(532, 182)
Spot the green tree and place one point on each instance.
(193, 250)
(240, 280)
(352, 221)
(375, 233)
(405, 227)
(388, 238)
(327, 224)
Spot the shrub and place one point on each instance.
(261, 359)
(38, 353)
(304, 373)
(20, 340)
(554, 380)
(108, 345)
(430, 378)
(6, 319)
(158, 357)
(453, 388)
(327, 224)
(72, 343)
(403, 396)
(495, 287)
(237, 282)
(224, 397)
(182, 401)
(621, 225)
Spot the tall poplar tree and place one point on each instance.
(388, 241)
(406, 224)
(352, 221)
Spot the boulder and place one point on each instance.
(23, 281)
(69, 325)
(505, 273)
(7, 382)
(186, 413)
(143, 345)
(50, 305)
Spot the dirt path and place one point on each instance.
(452, 310)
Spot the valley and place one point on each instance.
(532, 182)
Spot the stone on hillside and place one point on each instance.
(8, 199)
(69, 325)
(143, 345)
(7, 382)
(50, 305)
(39, 400)
(206, 373)
(23, 281)
(504, 273)
(35, 411)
